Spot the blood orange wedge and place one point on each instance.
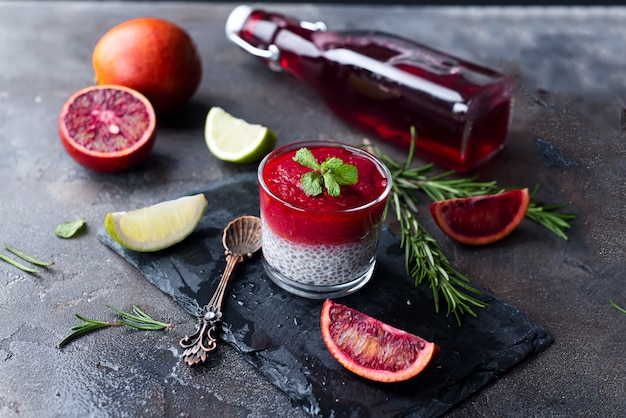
(370, 348)
(481, 220)
(107, 128)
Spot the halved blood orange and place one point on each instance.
(370, 348)
(481, 220)
(107, 128)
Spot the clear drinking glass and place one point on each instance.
(321, 246)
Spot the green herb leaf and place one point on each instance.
(331, 163)
(332, 174)
(306, 158)
(70, 229)
(312, 183)
(425, 259)
(331, 184)
(346, 174)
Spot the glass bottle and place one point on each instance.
(385, 85)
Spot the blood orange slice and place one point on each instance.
(107, 128)
(370, 348)
(481, 220)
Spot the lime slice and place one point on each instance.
(158, 226)
(235, 140)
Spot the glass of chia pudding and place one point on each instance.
(321, 246)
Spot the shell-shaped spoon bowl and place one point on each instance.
(242, 236)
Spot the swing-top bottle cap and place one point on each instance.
(237, 19)
(234, 25)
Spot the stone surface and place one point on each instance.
(279, 333)
(567, 135)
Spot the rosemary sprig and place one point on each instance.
(424, 258)
(88, 325)
(438, 187)
(140, 320)
(441, 187)
(444, 186)
(547, 216)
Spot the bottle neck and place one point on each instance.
(257, 31)
(261, 28)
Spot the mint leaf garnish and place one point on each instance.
(312, 183)
(331, 184)
(331, 174)
(332, 163)
(346, 174)
(307, 159)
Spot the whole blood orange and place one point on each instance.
(153, 56)
(371, 348)
(107, 128)
(481, 220)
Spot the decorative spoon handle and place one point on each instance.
(204, 339)
(241, 239)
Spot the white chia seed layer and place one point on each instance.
(319, 265)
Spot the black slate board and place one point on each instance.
(279, 333)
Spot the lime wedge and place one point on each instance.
(158, 226)
(235, 140)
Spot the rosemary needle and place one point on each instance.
(19, 265)
(616, 306)
(424, 258)
(140, 320)
(27, 257)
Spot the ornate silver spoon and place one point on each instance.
(241, 239)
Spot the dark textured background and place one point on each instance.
(566, 135)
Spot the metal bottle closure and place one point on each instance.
(237, 19)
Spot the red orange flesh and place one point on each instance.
(107, 128)
(370, 348)
(481, 220)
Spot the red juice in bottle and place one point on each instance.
(385, 85)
